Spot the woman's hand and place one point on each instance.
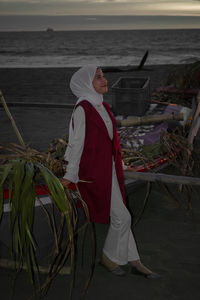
(65, 182)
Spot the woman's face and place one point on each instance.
(99, 82)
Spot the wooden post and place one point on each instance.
(196, 122)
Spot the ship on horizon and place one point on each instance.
(49, 29)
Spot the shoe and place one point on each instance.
(116, 271)
(111, 266)
(151, 275)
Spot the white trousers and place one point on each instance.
(120, 246)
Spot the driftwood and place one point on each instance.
(154, 177)
(129, 69)
(143, 61)
(150, 119)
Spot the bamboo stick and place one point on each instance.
(12, 120)
(150, 119)
(153, 177)
(11, 264)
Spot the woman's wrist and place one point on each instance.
(71, 176)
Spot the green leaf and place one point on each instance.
(5, 173)
(28, 197)
(21, 176)
(55, 187)
(19, 171)
(57, 192)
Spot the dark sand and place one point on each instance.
(168, 238)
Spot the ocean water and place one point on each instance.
(101, 47)
(96, 22)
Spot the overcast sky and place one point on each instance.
(100, 7)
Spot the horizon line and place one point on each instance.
(64, 30)
(98, 15)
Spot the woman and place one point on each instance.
(94, 157)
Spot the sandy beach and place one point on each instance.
(167, 235)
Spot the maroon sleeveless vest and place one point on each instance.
(96, 164)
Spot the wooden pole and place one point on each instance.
(153, 177)
(39, 104)
(196, 122)
(12, 120)
(150, 119)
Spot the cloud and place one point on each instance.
(97, 7)
(61, 7)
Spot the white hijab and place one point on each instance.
(82, 87)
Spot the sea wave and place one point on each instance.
(74, 61)
(69, 49)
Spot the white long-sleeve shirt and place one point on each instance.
(77, 138)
